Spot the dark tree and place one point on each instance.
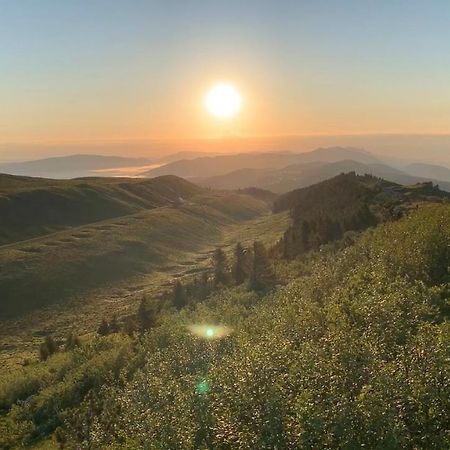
(114, 326)
(129, 325)
(103, 328)
(220, 267)
(240, 269)
(179, 295)
(146, 315)
(72, 341)
(204, 286)
(262, 277)
(47, 348)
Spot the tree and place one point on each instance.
(220, 267)
(103, 328)
(179, 295)
(114, 326)
(129, 325)
(72, 341)
(240, 270)
(47, 348)
(204, 286)
(262, 277)
(146, 315)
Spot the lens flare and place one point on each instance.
(202, 387)
(209, 332)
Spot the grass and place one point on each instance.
(77, 276)
(32, 207)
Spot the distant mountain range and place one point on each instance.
(223, 164)
(301, 175)
(278, 172)
(282, 172)
(71, 166)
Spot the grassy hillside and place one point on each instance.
(32, 207)
(70, 263)
(352, 353)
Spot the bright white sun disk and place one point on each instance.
(223, 100)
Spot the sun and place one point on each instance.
(223, 101)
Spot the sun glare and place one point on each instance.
(223, 101)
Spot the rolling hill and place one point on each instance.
(113, 230)
(31, 207)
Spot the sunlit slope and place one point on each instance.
(70, 263)
(31, 207)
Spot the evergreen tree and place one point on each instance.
(220, 267)
(146, 315)
(129, 325)
(262, 277)
(114, 326)
(47, 348)
(103, 328)
(240, 270)
(204, 288)
(179, 295)
(72, 341)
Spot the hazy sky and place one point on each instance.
(77, 70)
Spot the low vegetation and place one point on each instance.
(343, 345)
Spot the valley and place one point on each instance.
(69, 279)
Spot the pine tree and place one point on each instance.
(72, 341)
(47, 348)
(43, 352)
(220, 267)
(240, 270)
(103, 328)
(146, 315)
(114, 326)
(204, 288)
(262, 277)
(129, 325)
(179, 295)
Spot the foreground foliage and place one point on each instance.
(354, 353)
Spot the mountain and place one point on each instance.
(222, 164)
(304, 174)
(71, 166)
(429, 171)
(31, 207)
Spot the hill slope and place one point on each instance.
(31, 207)
(324, 212)
(353, 352)
(68, 264)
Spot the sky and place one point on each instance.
(99, 71)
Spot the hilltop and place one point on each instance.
(32, 207)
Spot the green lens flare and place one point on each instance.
(202, 387)
(209, 331)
